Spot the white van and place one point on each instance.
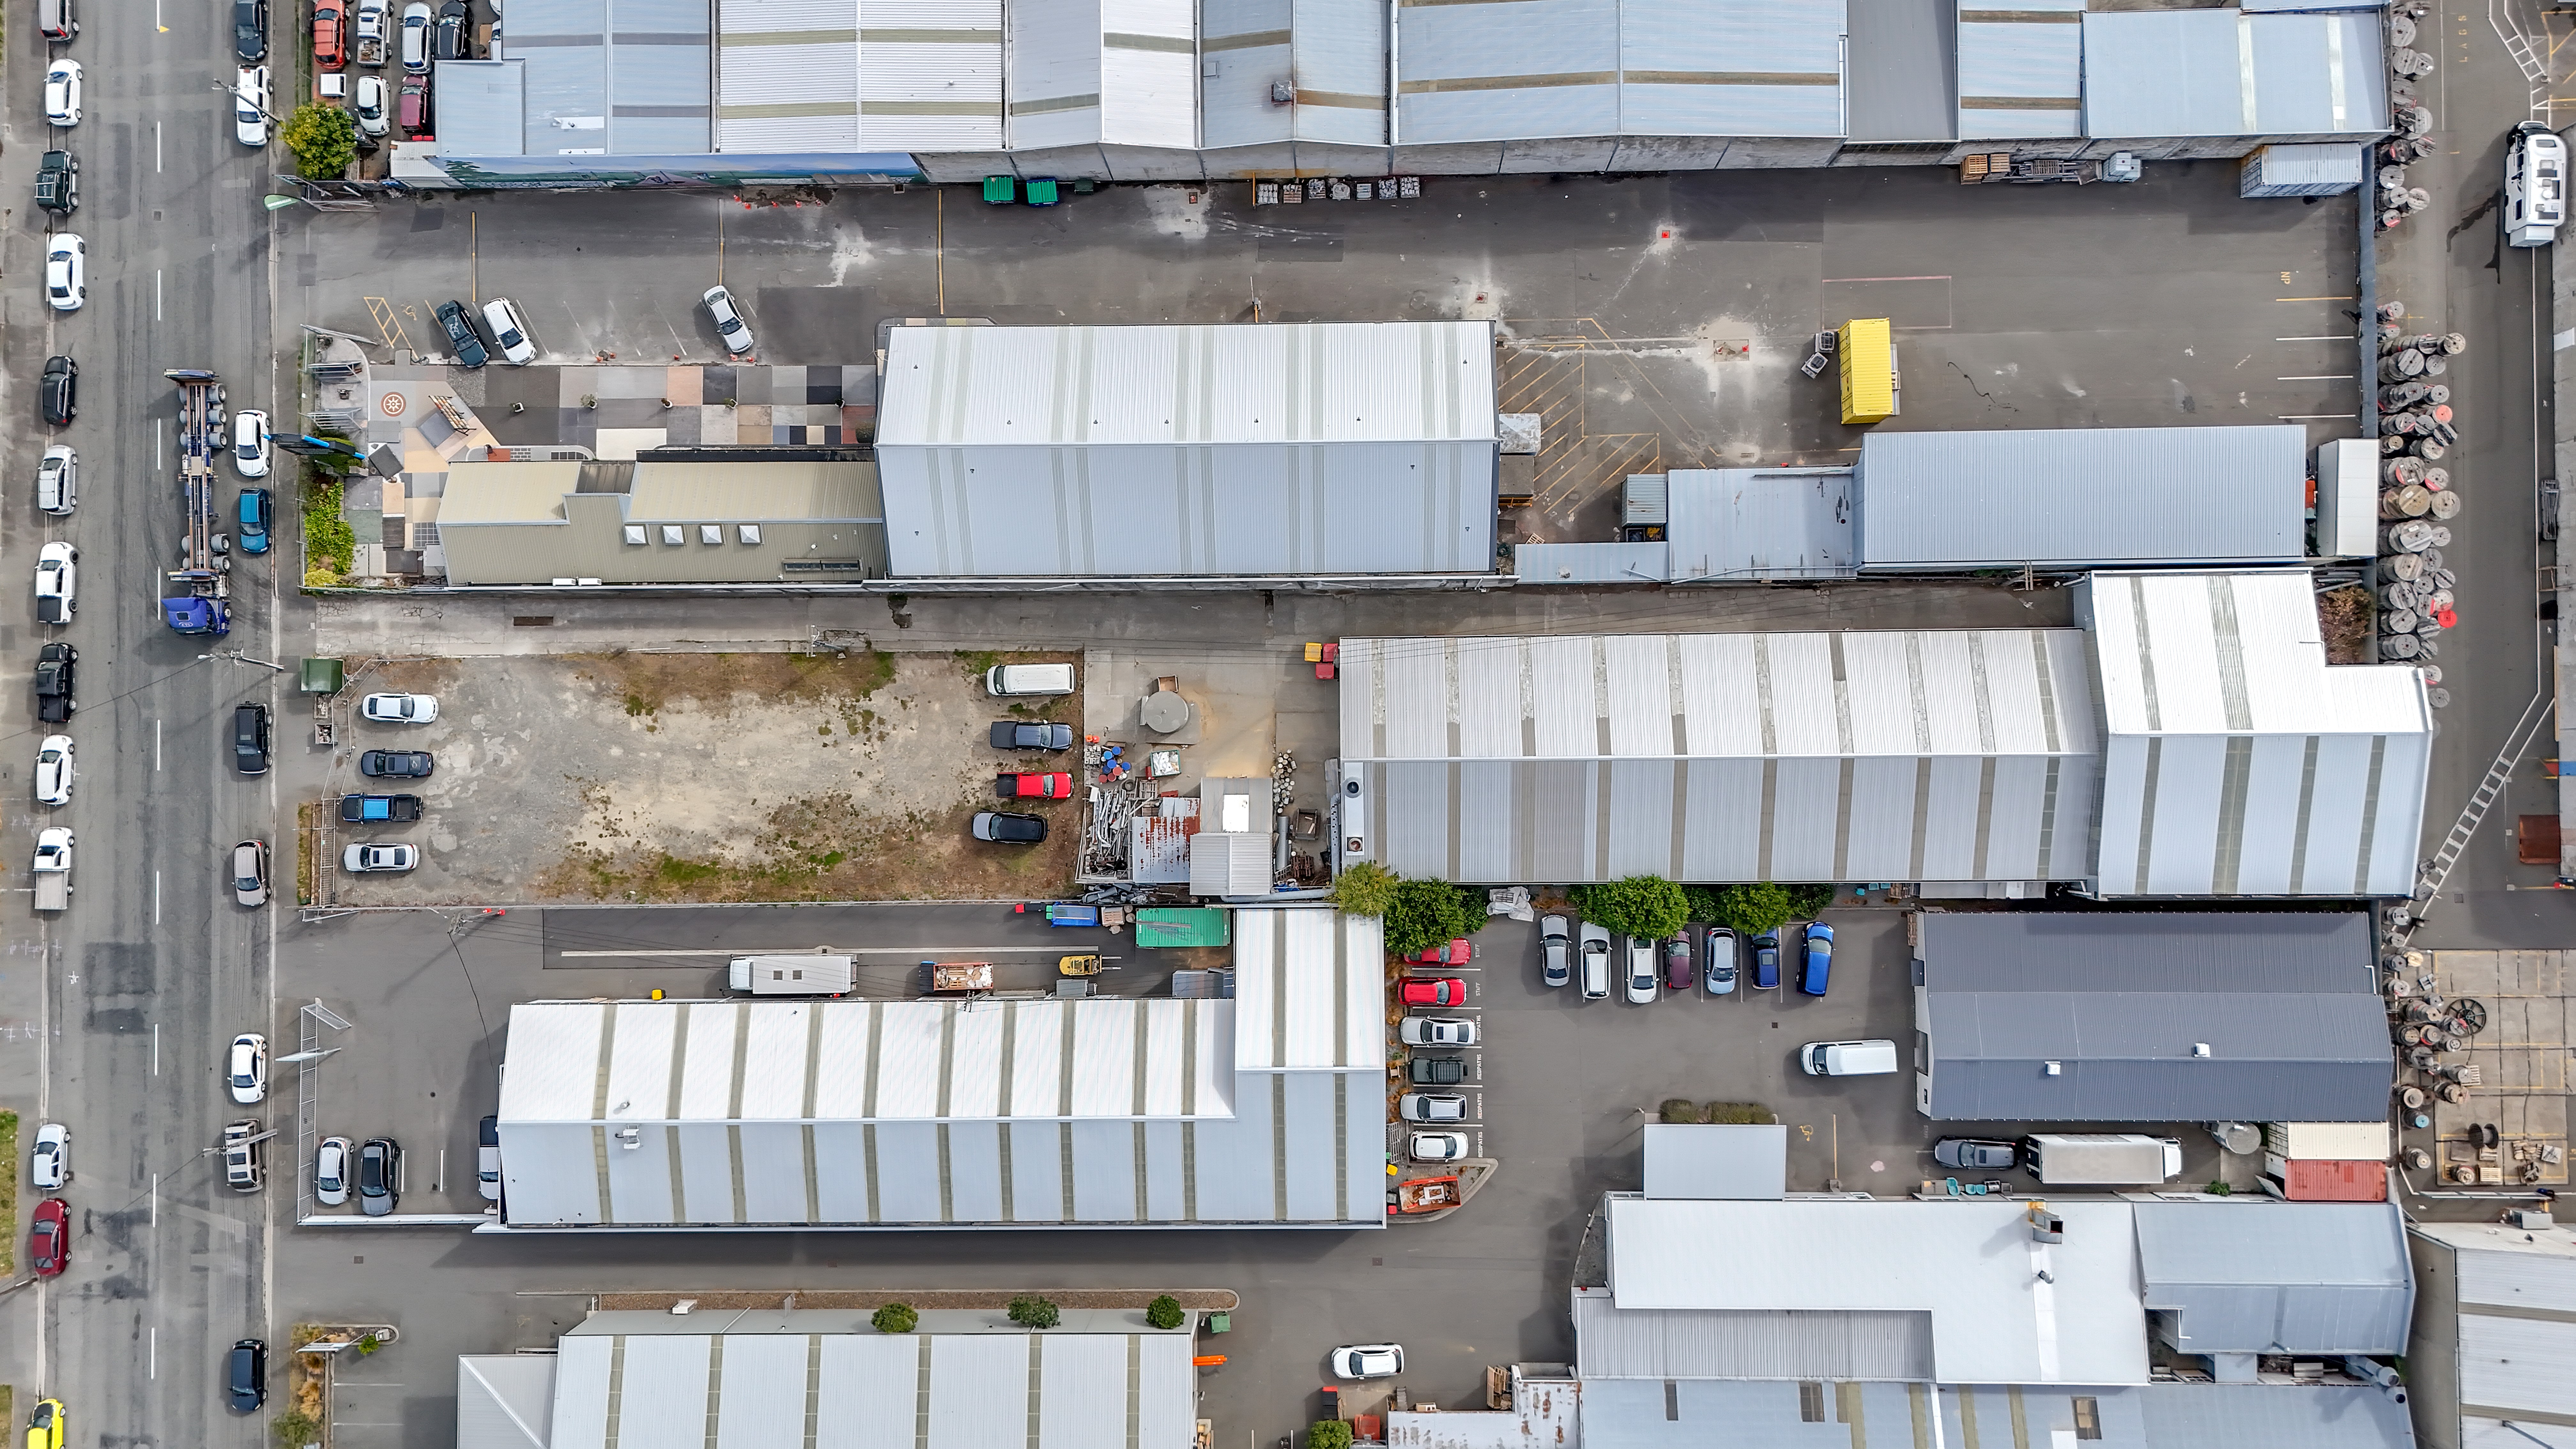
(802, 973)
(2535, 186)
(1003, 681)
(1848, 1058)
(1595, 951)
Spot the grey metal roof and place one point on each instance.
(1903, 69)
(504, 1400)
(1682, 1343)
(1591, 563)
(1642, 1414)
(623, 77)
(1732, 1160)
(2073, 497)
(480, 103)
(2288, 1004)
(2021, 71)
(2273, 1277)
(1330, 53)
(2157, 73)
(1735, 524)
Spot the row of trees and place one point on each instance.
(1421, 914)
(1028, 1311)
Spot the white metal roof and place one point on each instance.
(1972, 1265)
(2516, 1293)
(2237, 760)
(1310, 990)
(846, 75)
(504, 1400)
(1113, 72)
(2021, 71)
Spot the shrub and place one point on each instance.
(1428, 913)
(1703, 903)
(1328, 1434)
(1031, 1311)
(330, 544)
(1165, 1312)
(895, 1318)
(1750, 910)
(324, 140)
(1806, 900)
(1679, 1110)
(1365, 888)
(295, 1429)
(1640, 905)
(1738, 1113)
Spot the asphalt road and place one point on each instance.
(151, 971)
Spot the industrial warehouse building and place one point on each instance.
(1264, 1110)
(2163, 1016)
(794, 521)
(2488, 1365)
(1184, 90)
(1308, 449)
(2219, 751)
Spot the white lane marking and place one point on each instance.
(156, 1062)
(156, 897)
(156, 294)
(156, 128)
(155, 1341)
(2343, 337)
(842, 951)
(156, 747)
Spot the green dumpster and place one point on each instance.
(1041, 191)
(1174, 927)
(1220, 1322)
(320, 676)
(1001, 190)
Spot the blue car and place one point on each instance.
(254, 520)
(1816, 972)
(1766, 961)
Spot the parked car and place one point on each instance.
(59, 393)
(1816, 963)
(1436, 1146)
(1455, 1031)
(250, 442)
(1449, 953)
(1717, 960)
(58, 182)
(56, 667)
(1431, 1107)
(1006, 828)
(54, 771)
(1677, 961)
(447, 39)
(250, 30)
(245, 1155)
(330, 35)
(487, 1159)
(1436, 1071)
(1872, 1058)
(369, 859)
(57, 20)
(246, 1068)
(250, 739)
(49, 1162)
(370, 102)
(396, 764)
(2535, 185)
(1976, 1154)
(250, 106)
(379, 1177)
(246, 1376)
(399, 708)
(371, 32)
(459, 326)
(1640, 975)
(331, 1172)
(1766, 961)
(66, 272)
(1368, 1361)
(509, 329)
(411, 104)
(45, 1425)
(58, 481)
(49, 1238)
(1014, 681)
(415, 37)
(1593, 951)
(63, 92)
(252, 515)
(379, 809)
(1434, 991)
(57, 582)
(1057, 785)
(735, 332)
(1016, 735)
(250, 873)
(1554, 951)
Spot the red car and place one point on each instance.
(1435, 991)
(1058, 786)
(49, 1242)
(1453, 954)
(330, 35)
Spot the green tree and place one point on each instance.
(295, 1429)
(1639, 905)
(1165, 1312)
(1428, 913)
(1806, 900)
(895, 1318)
(1031, 1311)
(1328, 1434)
(1702, 900)
(323, 138)
(1364, 888)
(1751, 909)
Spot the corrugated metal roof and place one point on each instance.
(614, 77)
(1944, 1259)
(1592, 563)
(1904, 58)
(481, 105)
(787, 75)
(1340, 52)
(840, 75)
(2021, 71)
(1716, 1160)
(1320, 448)
(2072, 497)
(2155, 73)
(504, 1400)
(2276, 1277)
(506, 493)
(2516, 1291)
(1734, 524)
(1230, 864)
(1761, 1343)
(1929, 755)
(1309, 990)
(2288, 1004)
(790, 489)
(2240, 762)
(1767, 1415)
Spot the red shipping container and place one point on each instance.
(2319, 1179)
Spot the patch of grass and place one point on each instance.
(330, 544)
(308, 884)
(635, 705)
(8, 1203)
(675, 871)
(645, 684)
(821, 848)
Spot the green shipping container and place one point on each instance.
(1171, 928)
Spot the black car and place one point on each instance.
(54, 669)
(60, 392)
(379, 809)
(461, 335)
(448, 40)
(1010, 829)
(397, 764)
(1975, 1154)
(1014, 735)
(1436, 1071)
(250, 30)
(379, 1176)
(246, 1376)
(250, 739)
(58, 182)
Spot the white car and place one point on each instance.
(66, 272)
(1437, 1146)
(400, 708)
(58, 481)
(375, 115)
(331, 1172)
(250, 442)
(1431, 1107)
(729, 322)
(371, 26)
(1643, 983)
(1447, 1031)
(415, 37)
(247, 1071)
(362, 859)
(250, 106)
(54, 770)
(49, 1162)
(510, 330)
(1368, 1361)
(57, 582)
(62, 93)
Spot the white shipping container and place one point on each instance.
(2322, 170)
(2348, 498)
(2346, 1141)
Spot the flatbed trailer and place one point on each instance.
(197, 602)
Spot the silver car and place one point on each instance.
(729, 320)
(1643, 983)
(1554, 949)
(250, 873)
(331, 1172)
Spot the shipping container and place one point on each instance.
(2319, 1179)
(1869, 386)
(2347, 1141)
(2327, 170)
(2100, 1159)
